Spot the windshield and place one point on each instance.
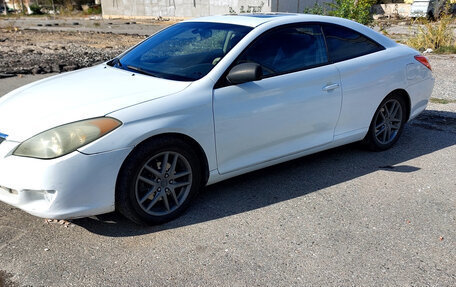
(184, 52)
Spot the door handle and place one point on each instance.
(330, 87)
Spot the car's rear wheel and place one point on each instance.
(387, 124)
(158, 181)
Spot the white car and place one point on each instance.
(199, 102)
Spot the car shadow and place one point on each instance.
(424, 135)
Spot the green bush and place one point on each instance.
(316, 9)
(36, 9)
(94, 10)
(356, 10)
(359, 11)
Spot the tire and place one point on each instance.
(387, 124)
(148, 194)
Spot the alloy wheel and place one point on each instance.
(388, 121)
(163, 183)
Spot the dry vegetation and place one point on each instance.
(437, 36)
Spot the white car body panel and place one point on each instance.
(361, 95)
(240, 128)
(192, 117)
(258, 120)
(78, 190)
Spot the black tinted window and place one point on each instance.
(287, 49)
(344, 43)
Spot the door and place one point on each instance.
(366, 76)
(293, 108)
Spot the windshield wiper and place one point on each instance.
(142, 71)
(159, 75)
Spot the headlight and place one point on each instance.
(65, 139)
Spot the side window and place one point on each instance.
(287, 49)
(344, 43)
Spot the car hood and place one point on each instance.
(73, 96)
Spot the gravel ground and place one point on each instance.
(87, 24)
(40, 52)
(444, 69)
(43, 45)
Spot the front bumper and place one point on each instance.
(75, 185)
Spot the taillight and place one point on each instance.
(424, 61)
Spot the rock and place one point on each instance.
(56, 68)
(69, 68)
(37, 70)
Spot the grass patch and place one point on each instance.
(441, 101)
(446, 50)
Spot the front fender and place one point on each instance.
(188, 113)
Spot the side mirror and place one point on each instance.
(245, 72)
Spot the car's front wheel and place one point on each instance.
(387, 124)
(157, 181)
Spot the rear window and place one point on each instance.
(344, 43)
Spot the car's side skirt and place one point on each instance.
(215, 176)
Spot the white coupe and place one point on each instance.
(199, 102)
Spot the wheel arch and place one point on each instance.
(124, 202)
(368, 140)
(405, 96)
(191, 141)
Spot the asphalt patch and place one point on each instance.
(436, 120)
(5, 280)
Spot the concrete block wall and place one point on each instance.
(393, 9)
(196, 8)
(179, 8)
